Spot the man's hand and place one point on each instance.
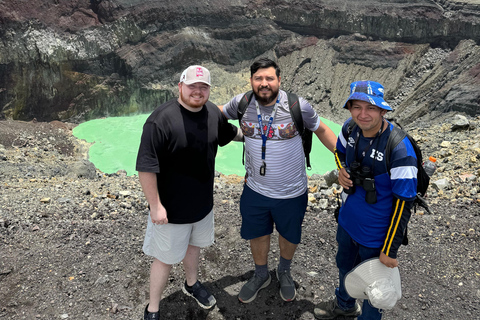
(389, 262)
(159, 215)
(239, 136)
(344, 179)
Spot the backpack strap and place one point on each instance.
(296, 114)
(351, 125)
(241, 109)
(396, 136)
(243, 105)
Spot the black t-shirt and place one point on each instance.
(180, 147)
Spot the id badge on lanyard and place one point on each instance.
(263, 167)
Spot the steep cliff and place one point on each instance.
(76, 60)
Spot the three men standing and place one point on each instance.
(178, 148)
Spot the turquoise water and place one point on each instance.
(116, 141)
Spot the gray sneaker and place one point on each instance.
(287, 286)
(331, 310)
(249, 291)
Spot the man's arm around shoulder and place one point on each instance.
(326, 136)
(239, 135)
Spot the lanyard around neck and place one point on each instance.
(363, 154)
(269, 126)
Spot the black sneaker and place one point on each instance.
(249, 291)
(331, 310)
(150, 315)
(199, 293)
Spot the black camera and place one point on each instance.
(362, 176)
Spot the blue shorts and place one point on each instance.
(259, 213)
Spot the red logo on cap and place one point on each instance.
(199, 72)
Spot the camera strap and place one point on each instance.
(364, 152)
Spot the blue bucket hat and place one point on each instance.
(369, 91)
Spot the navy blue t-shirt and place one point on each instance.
(367, 223)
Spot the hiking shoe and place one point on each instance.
(249, 291)
(287, 286)
(200, 293)
(331, 310)
(150, 315)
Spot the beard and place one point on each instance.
(265, 100)
(191, 102)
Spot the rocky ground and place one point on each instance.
(71, 237)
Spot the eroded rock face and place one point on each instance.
(77, 60)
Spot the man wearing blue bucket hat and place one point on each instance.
(377, 196)
(368, 91)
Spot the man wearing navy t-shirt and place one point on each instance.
(377, 196)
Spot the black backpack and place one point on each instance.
(296, 114)
(423, 180)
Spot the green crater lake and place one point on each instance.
(116, 141)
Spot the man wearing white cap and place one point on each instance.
(377, 196)
(177, 151)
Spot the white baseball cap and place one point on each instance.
(195, 74)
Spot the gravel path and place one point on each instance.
(71, 238)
